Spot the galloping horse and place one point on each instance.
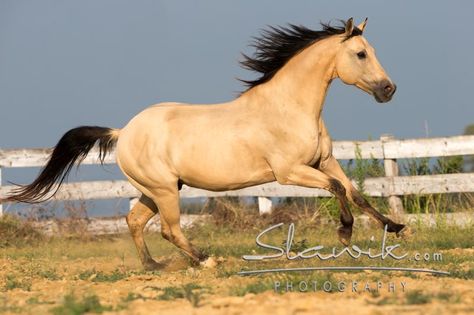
(273, 131)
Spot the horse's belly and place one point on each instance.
(221, 175)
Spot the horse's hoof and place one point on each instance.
(153, 265)
(395, 227)
(405, 232)
(345, 235)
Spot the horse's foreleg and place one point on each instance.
(307, 176)
(167, 201)
(137, 218)
(332, 168)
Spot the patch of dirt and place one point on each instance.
(138, 292)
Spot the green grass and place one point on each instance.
(417, 297)
(221, 241)
(99, 276)
(255, 288)
(12, 282)
(49, 274)
(35, 261)
(463, 274)
(72, 305)
(110, 260)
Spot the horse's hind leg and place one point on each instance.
(332, 168)
(167, 200)
(137, 218)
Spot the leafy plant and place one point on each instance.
(11, 282)
(100, 276)
(417, 297)
(72, 306)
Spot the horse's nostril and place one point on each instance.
(388, 88)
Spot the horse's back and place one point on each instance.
(208, 146)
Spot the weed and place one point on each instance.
(132, 297)
(359, 169)
(449, 297)
(75, 223)
(11, 282)
(34, 300)
(100, 276)
(255, 288)
(297, 246)
(72, 306)
(463, 274)
(386, 301)
(49, 274)
(171, 293)
(17, 232)
(417, 297)
(192, 294)
(412, 275)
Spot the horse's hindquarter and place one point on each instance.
(205, 146)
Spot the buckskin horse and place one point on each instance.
(273, 131)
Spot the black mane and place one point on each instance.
(277, 45)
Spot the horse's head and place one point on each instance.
(356, 64)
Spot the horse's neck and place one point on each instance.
(302, 84)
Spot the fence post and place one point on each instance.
(264, 205)
(132, 202)
(391, 170)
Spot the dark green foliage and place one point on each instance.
(255, 288)
(72, 306)
(469, 159)
(100, 276)
(359, 169)
(417, 297)
(434, 203)
(11, 282)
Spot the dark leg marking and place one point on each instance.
(361, 202)
(337, 188)
(340, 192)
(347, 220)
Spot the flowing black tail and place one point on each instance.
(71, 148)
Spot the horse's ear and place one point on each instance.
(349, 26)
(362, 25)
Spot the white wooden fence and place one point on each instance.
(386, 148)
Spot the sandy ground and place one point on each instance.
(137, 292)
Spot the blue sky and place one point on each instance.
(70, 63)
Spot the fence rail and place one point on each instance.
(387, 149)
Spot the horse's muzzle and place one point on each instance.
(384, 91)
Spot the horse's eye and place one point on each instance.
(361, 54)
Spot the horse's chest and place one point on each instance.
(311, 151)
(307, 147)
